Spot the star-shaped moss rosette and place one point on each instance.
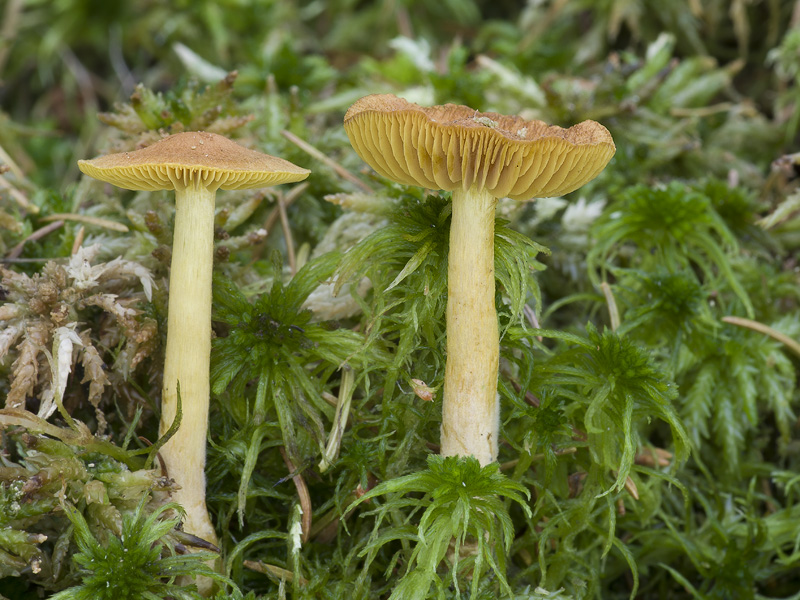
(273, 342)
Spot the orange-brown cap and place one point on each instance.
(451, 146)
(194, 157)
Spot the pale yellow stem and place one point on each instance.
(188, 354)
(470, 416)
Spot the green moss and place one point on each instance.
(604, 388)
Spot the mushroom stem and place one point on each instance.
(189, 351)
(470, 417)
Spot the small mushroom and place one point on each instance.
(480, 157)
(195, 165)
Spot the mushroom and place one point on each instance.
(195, 165)
(480, 157)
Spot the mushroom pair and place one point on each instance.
(195, 165)
(480, 157)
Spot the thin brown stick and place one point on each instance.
(303, 494)
(403, 20)
(295, 193)
(13, 166)
(613, 311)
(164, 469)
(767, 330)
(630, 486)
(267, 569)
(287, 236)
(530, 314)
(81, 75)
(330, 399)
(313, 152)
(275, 213)
(705, 111)
(530, 398)
(117, 60)
(36, 235)
(100, 222)
(78, 240)
(272, 217)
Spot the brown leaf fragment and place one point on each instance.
(94, 374)
(25, 369)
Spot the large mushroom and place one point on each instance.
(195, 165)
(480, 157)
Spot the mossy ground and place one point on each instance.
(649, 321)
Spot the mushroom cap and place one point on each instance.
(451, 146)
(192, 158)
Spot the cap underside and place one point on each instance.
(450, 146)
(192, 158)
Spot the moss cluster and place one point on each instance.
(649, 322)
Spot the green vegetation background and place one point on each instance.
(650, 320)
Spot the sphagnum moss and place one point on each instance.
(671, 90)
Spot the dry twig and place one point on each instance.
(339, 169)
(303, 494)
(36, 235)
